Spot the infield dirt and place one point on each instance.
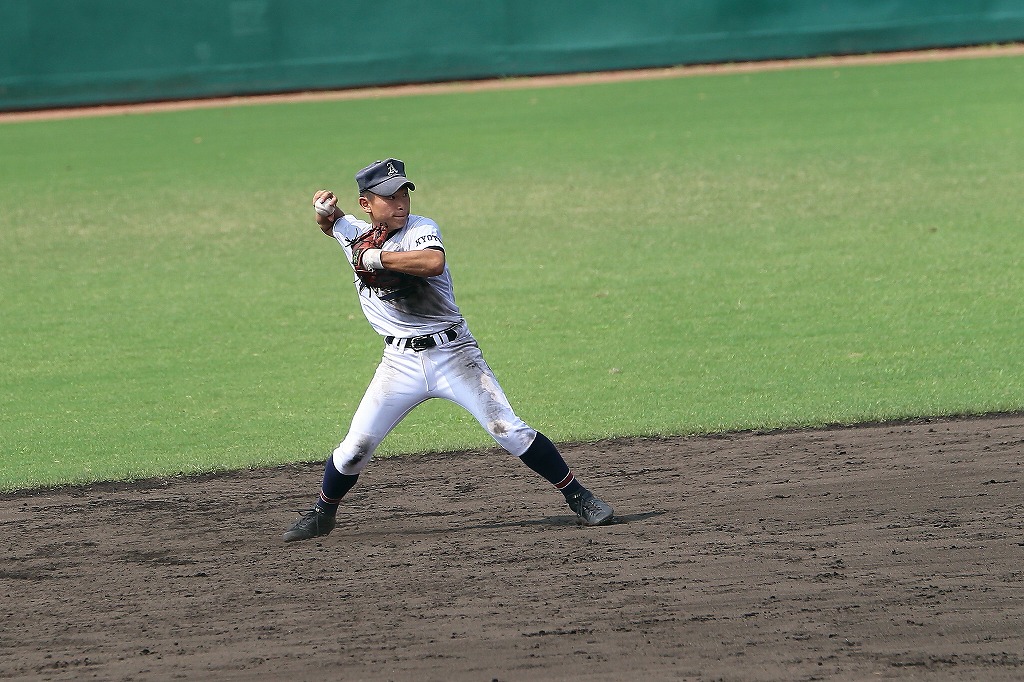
(876, 552)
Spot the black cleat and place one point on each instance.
(591, 509)
(311, 524)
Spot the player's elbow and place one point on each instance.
(434, 264)
(434, 272)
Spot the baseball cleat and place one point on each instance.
(311, 524)
(592, 510)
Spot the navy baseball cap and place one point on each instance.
(383, 177)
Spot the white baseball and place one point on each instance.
(323, 209)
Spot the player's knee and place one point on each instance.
(350, 458)
(514, 438)
(498, 428)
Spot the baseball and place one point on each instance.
(323, 208)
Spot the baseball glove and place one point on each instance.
(374, 238)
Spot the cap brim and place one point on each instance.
(391, 185)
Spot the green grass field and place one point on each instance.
(693, 255)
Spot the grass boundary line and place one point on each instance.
(156, 481)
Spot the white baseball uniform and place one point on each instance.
(429, 352)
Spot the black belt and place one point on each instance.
(418, 343)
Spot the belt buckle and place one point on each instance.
(420, 343)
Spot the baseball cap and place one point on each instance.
(383, 177)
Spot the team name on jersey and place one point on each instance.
(428, 238)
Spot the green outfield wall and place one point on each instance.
(78, 52)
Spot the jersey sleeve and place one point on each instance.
(423, 233)
(347, 227)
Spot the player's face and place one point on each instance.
(394, 209)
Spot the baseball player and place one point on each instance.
(405, 291)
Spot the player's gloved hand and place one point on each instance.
(366, 255)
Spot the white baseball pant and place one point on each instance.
(455, 371)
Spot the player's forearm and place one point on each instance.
(425, 263)
(326, 224)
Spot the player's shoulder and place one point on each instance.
(421, 232)
(419, 222)
(350, 227)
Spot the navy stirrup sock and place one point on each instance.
(544, 458)
(334, 487)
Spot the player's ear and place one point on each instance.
(364, 203)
